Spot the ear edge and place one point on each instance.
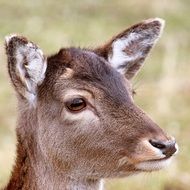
(9, 37)
(103, 50)
(157, 20)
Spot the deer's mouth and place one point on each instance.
(153, 165)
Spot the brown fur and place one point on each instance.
(57, 149)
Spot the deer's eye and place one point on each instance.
(76, 104)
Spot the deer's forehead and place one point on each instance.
(82, 68)
(74, 62)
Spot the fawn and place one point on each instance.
(77, 120)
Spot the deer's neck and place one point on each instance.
(32, 171)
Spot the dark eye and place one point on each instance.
(76, 104)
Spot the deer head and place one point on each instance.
(86, 121)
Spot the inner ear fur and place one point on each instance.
(26, 65)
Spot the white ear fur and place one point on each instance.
(119, 57)
(30, 64)
(30, 61)
(130, 50)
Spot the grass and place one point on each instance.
(163, 86)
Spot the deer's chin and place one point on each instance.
(153, 165)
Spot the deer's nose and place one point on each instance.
(168, 147)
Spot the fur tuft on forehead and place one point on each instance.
(76, 60)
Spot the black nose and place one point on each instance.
(168, 147)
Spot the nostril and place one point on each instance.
(157, 144)
(168, 148)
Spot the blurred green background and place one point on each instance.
(163, 86)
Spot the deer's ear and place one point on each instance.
(26, 65)
(127, 51)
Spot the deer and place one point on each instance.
(77, 121)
